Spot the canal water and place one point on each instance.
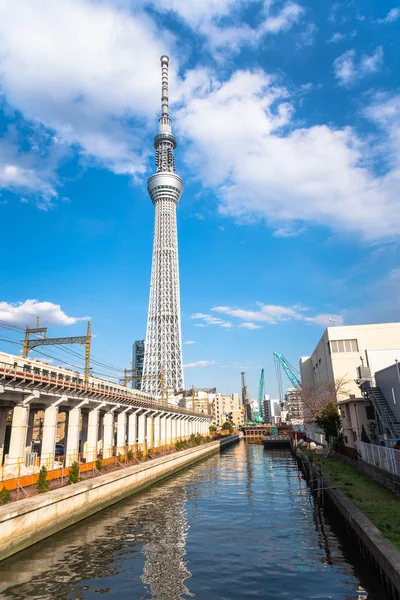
(239, 525)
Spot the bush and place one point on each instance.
(130, 455)
(42, 484)
(227, 427)
(5, 496)
(181, 445)
(119, 457)
(213, 429)
(99, 464)
(73, 475)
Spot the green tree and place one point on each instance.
(213, 428)
(329, 420)
(227, 426)
(42, 484)
(73, 475)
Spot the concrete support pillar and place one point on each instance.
(108, 434)
(157, 431)
(49, 437)
(65, 437)
(72, 447)
(92, 435)
(3, 424)
(29, 433)
(168, 430)
(84, 431)
(132, 429)
(16, 453)
(100, 433)
(142, 430)
(174, 436)
(178, 428)
(121, 433)
(163, 430)
(150, 431)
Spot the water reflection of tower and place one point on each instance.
(164, 569)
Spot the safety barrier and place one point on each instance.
(380, 456)
(25, 472)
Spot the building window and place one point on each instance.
(370, 412)
(344, 345)
(355, 436)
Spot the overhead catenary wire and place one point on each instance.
(101, 364)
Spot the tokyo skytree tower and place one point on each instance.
(163, 346)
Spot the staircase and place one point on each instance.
(383, 411)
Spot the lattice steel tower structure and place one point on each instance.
(163, 346)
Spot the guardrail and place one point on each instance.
(380, 456)
(25, 472)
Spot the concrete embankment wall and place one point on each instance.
(377, 550)
(26, 522)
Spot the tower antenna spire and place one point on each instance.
(163, 346)
(164, 85)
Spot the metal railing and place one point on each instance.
(380, 456)
(116, 393)
(25, 471)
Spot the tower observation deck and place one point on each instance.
(163, 346)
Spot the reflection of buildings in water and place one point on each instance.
(165, 570)
(96, 548)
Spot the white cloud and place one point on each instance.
(79, 68)
(247, 325)
(348, 72)
(199, 325)
(272, 314)
(280, 172)
(336, 37)
(284, 19)
(25, 313)
(189, 342)
(26, 173)
(210, 320)
(393, 15)
(200, 363)
(288, 232)
(372, 63)
(222, 25)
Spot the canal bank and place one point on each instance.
(26, 522)
(379, 552)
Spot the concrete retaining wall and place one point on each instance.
(376, 549)
(26, 522)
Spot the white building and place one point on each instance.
(271, 410)
(228, 408)
(341, 350)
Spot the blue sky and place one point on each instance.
(287, 116)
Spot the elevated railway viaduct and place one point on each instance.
(99, 414)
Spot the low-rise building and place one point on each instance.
(342, 349)
(358, 421)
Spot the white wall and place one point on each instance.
(330, 366)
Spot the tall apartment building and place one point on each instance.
(341, 350)
(137, 363)
(228, 408)
(294, 407)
